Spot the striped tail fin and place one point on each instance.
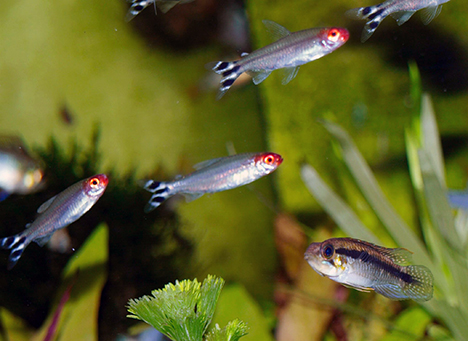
(17, 243)
(138, 6)
(229, 71)
(375, 15)
(161, 193)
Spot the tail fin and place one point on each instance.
(136, 8)
(375, 15)
(17, 243)
(161, 193)
(229, 71)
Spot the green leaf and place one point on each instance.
(182, 311)
(235, 302)
(232, 332)
(79, 318)
(367, 183)
(341, 213)
(14, 328)
(413, 322)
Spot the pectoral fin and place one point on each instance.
(429, 13)
(289, 74)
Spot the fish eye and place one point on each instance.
(94, 182)
(328, 251)
(333, 35)
(269, 159)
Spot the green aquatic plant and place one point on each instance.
(184, 310)
(442, 244)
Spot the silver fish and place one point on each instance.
(400, 10)
(56, 213)
(19, 172)
(289, 51)
(214, 176)
(365, 266)
(163, 5)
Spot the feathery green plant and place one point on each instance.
(443, 247)
(183, 311)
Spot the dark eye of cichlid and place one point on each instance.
(328, 251)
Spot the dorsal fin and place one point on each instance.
(46, 205)
(206, 163)
(276, 30)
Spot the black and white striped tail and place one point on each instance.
(374, 15)
(230, 72)
(136, 8)
(17, 243)
(161, 193)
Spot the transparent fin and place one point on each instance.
(422, 288)
(355, 13)
(41, 241)
(165, 6)
(289, 74)
(391, 291)
(192, 196)
(259, 76)
(429, 13)
(276, 30)
(46, 205)
(207, 163)
(402, 17)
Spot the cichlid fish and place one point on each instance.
(214, 175)
(163, 5)
(400, 10)
(365, 266)
(56, 213)
(19, 172)
(288, 52)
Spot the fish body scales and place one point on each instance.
(56, 213)
(213, 176)
(294, 50)
(225, 174)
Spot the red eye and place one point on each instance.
(333, 35)
(269, 159)
(94, 182)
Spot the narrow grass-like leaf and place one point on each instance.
(437, 203)
(341, 213)
(461, 225)
(368, 185)
(431, 138)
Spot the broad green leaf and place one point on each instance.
(341, 213)
(411, 324)
(14, 327)
(235, 302)
(79, 318)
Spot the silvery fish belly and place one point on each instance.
(288, 52)
(214, 176)
(19, 172)
(56, 213)
(365, 266)
(400, 10)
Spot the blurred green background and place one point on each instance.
(68, 67)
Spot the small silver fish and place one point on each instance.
(214, 175)
(56, 213)
(163, 5)
(19, 172)
(400, 10)
(365, 266)
(289, 51)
